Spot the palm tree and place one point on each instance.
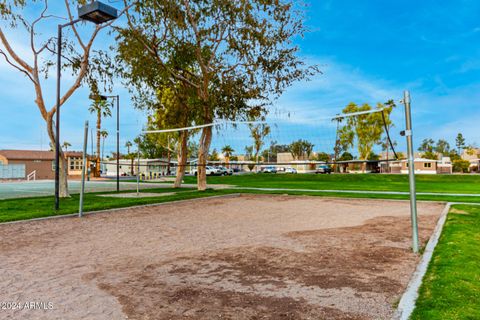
(385, 144)
(65, 145)
(227, 152)
(104, 135)
(102, 109)
(128, 144)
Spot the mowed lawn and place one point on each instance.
(28, 208)
(451, 287)
(38, 207)
(468, 184)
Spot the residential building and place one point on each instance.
(40, 164)
(472, 156)
(147, 167)
(423, 166)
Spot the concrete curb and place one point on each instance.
(409, 297)
(73, 215)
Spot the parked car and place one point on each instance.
(225, 171)
(323, 169)
(269, 169)
(290, 170)
(211, 171)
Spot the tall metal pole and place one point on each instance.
(84, 165)
(118, 143)
(336, 145)
(57, 120)
(411, 170)
(138, 169)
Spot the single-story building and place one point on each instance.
(423, 166)
(148, 167)
(41, 164)
(472, 156)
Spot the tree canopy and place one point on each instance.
(235, 55)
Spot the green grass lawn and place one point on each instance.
(451, 287)
(28, 208)
(373, 182)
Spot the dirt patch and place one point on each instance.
(458, 211)
(250, 257)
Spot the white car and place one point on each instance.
(211, 171)
(225, 171)
(290, 170)
(269, 169)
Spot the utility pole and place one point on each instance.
(84, 165)
(411, 170)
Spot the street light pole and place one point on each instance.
(57, 112)
(118, 143)
(96, 12)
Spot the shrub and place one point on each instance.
(461, 165)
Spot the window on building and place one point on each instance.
(75, 163)
(427, 164)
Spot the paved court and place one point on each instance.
(24, 189)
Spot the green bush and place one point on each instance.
(461, 165)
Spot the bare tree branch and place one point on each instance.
(70, 17)
(15, 66)
(13, 54)
(197, 38)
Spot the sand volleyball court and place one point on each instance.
(244, 257)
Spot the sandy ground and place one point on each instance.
(249, 257)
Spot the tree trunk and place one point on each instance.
(169, 159)
(182, 160)
(388, 163)
(103, 147)
(205, 140)
(63, 179)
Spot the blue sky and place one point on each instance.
(369, 52)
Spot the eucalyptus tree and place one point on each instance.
(364, 130)
(258, 132)
(301, 149)
(83, 63)
(235, 55)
